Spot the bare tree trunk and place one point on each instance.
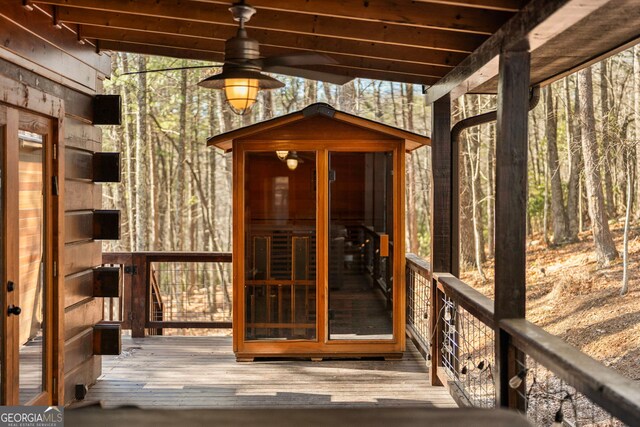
(605, 247)
(474, 169)
(128, 132)
(607, 161)
(140, 140)
(491, 153)
(467, 247)
(636, 116)
(180, 204)
(545, 213)
(412, 215)
(560, 220)
(573, 186)
(627, 223)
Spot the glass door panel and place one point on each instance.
(280, 246)
(360, 245)
(32, 298)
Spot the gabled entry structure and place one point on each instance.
(318, 245)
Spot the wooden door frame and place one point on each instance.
(19, 97)
(321, 346)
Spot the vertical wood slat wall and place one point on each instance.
(52, 62)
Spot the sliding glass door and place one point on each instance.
(360, 243)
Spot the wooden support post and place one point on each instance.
(139, 300)
(511, 209)
(444, 218)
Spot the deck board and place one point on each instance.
(201, 372)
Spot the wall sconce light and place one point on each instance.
(282, 154)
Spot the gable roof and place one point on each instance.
(412, 140)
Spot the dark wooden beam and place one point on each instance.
(349, 65)
(444, 219)
(442, 58)
(432, 15)
(511, 208)
(507, 5)
(543, 18)
(316, 25)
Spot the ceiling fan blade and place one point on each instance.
(293, 60)
(160, 70)
(311, 74)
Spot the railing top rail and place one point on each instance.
(175, 256)
(418, 263)
(471, 300)
(620, 396)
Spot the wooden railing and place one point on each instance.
(156, 297)
(453, 326)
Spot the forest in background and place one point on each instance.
(175, 192)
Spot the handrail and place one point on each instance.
(156, 256)
(600, 385)
(620, 396)
(419, 263)
(143, 291)
(470, 299)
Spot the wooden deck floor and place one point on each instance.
(173, 372)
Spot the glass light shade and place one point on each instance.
(241, 93)
(282, 154)
(292, 163)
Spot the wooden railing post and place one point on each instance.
(139, 296)
(511, 210)
(444, 217)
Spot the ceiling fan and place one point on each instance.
(242, 72)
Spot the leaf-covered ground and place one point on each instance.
(570, 297)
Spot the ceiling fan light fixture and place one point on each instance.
(241, 86)
(241, 94)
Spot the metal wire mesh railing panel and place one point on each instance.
(418, 305)
(548, 399)
(190, 292)
(468, 355)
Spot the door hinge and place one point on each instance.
(55, 269)
(55, 151)
(54, 186)
(131, 269)
(332, 175)
(130, 315)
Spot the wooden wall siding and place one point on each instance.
(56, 54)
(82, 254)
(33, 54)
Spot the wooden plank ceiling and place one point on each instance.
(396, 40)
(417, 42)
